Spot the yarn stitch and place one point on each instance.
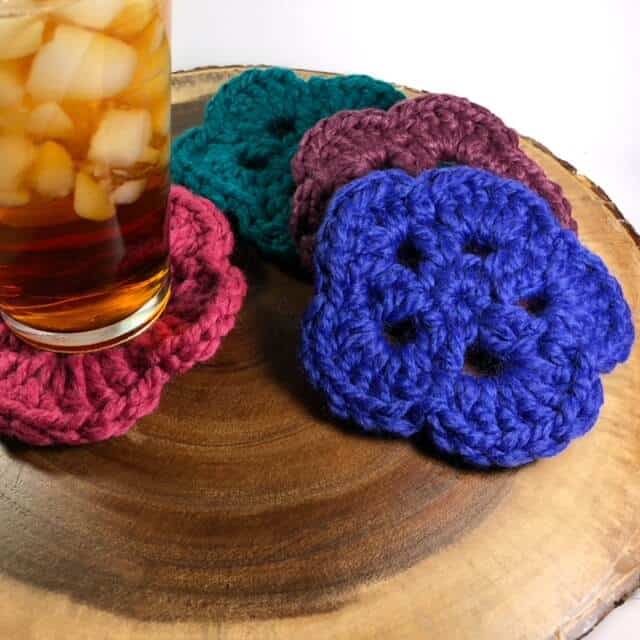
(241, 157)
(48, 398)
(455, 302)
(414, 135)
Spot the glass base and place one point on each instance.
(97, 339)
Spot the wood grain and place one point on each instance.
(240, 510)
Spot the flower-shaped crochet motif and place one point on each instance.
(414, 135)
(48, 398)
(241, 157)
(455, 303)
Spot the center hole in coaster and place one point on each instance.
(282, 126)
(476, 248)
(409, 256)
(253, 161)
(444, 164)
(400, 333)
(535, 305)
(479, 363)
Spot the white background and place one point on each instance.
(565, 72)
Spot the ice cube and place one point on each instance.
(82, 65)
(95, 14)
(151, 80)
(86, 116)
(91, 201)
(20, 37)
(128, 192)
(161, 118)
(15, 198)
(134, 17)
(49, 120)
(52, 173)
(17, 154)
(11, 89)
(122, 138)
(151, 38)
(150, 156)
(100, 171)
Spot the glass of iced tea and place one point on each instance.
(84, 180)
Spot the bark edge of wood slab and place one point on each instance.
(241, 510)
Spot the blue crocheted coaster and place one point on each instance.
(455, 303)
(241, 157)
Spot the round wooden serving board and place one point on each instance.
(240, 510)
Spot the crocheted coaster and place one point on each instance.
(456, 303)
(240, 158)
(48, 398)
(414, 135)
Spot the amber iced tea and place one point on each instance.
(84, 154)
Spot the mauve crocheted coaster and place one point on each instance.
(241, 157)
(455, 303)
(48, 398)
(414, 135)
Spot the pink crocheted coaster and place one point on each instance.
(47, 398)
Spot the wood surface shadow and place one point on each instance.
(228, 560)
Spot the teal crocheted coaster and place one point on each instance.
(241, 157)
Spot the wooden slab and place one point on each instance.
(241, 511)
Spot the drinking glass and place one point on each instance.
(84, 155)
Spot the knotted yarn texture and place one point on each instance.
(241, 157)
(414, 135)
(455, 303)
(48, 398)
